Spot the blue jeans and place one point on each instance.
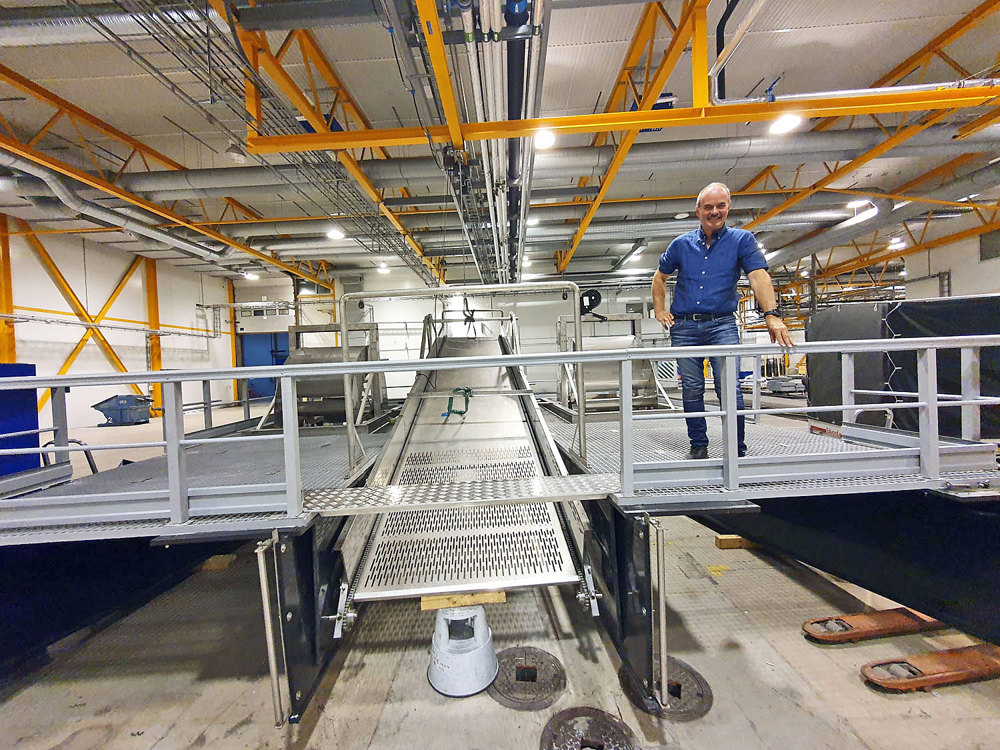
(704, 333)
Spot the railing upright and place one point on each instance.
(971, 425)
(290, 429)
(60, 422)
(930, 459)
(755, 404)
(206, 402)
(173, 432)
(730, 435)
(847, 386)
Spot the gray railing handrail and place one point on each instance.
(504, 360)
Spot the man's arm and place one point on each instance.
(660, 310)
(760, 282)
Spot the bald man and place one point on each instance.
(708, 262)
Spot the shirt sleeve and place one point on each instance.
(750, 255)
(668, 262)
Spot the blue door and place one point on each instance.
(263, 349)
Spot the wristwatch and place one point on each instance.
(773, 312)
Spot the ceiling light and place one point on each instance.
(803, 273)
(682, 215)
(545, 139)
(335, 233)
(848, 288)
(858, 204)
(526, 263)
(235, 153)
(250, 275)
(786, 123)
(532, 221)
(383, 268)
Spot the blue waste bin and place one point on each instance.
(123, 410)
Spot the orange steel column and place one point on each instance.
(153, 321)
(8, 351)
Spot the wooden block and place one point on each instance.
(217, 562)
(732, 541)
(462, 600)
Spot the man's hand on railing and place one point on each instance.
(778, 331)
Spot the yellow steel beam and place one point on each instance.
(8, 350)
(257, 45)
(699, 58)
(872, 153)
(983, 121)
(723, 114)
(16, 147)
(153, 320)
(431, 26)
(942, 171)
(72, 300)
(89, 333)
(677, 44)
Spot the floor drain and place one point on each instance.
(690, 695)
(586, 729)
(529, 679)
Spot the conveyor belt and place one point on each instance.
(480, 464)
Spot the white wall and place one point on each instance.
(969, 275)
(92, 271)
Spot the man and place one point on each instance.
(708, 262)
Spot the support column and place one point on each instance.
(8, 351)
(153, 321)
(231, 296)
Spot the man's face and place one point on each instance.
(713, 210)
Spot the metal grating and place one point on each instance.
(470, 549)
(334, 502)
(476, 455)
(468, 473)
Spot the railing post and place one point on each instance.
(60, 422)
(206, 402)
(756, 387)
(245, 397)
(730, 437)
(173, 433)
(847, 386)
(290, 429)
(971, 425)
(625, 428)
(927, 390)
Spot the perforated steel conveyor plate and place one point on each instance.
(458, 550)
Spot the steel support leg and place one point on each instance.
(971, 425)
(272, 655)
(730, 423)
(173, 428)
(625, 428)
(290, 429)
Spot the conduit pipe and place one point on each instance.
(105, 216)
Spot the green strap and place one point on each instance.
(462, 391)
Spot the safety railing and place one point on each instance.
(181, 502)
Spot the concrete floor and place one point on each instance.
(188, 670)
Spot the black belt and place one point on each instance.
(702, 316)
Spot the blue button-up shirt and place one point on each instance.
(707, 275)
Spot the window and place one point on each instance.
(989, 246)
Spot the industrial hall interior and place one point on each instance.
(478, 374)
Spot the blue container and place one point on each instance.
(124, 410)
(18, 413)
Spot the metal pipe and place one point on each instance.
(272, 655)
(717, 73)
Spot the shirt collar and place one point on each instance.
(718, 235)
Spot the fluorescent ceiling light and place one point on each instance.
(532, 221)
(803, 273)
(250, 275)
(858, 204)
(682, 215)
(383, 268)
(335, 233)
(786, 123)
(526, 263)
(545, 139)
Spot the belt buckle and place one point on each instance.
(698, 317)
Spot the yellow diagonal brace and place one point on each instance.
(678, 42)
(430, 24)
(70, 296)
(16, 147)
(873, 153)
(983, 121)
(88, 334)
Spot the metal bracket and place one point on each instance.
(346, 615)
(588, 594)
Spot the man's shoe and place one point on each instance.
(742, 452)
(698, 451)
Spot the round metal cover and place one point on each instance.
(690, 695)
(529, 679)
(586, 728)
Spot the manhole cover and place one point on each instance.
(529, 679)
(690, 695)
(586, 729)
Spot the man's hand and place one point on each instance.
(778, 331)
(666, 318)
